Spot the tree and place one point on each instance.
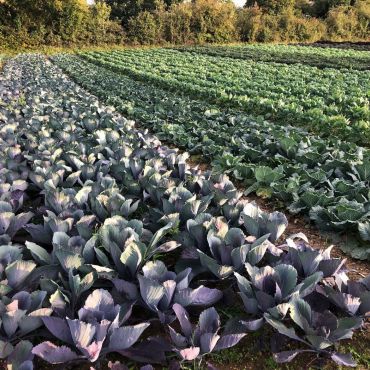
(123, 10)
(272, 6)
(213, 20)
(55, 22)
(321, 7)
(51, 14)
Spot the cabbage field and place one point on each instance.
(289, 54)
(118, 252)
(320, 175)
(325, 101)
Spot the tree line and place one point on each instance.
(33, 23)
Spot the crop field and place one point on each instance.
(325, 101)
(326, 178)
(129, 237)
(313, 56)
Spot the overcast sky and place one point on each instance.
(237, 2)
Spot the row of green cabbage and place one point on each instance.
(327, 179)
(121, 235)
(328, 102)
(289, 54)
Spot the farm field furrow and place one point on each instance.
(289, 54)
(106, 232)
(328, 102)
(325, 178)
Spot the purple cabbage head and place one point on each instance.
(160, 289)
(321, 331)
(259, 223)
(267, 288)
(196, 341)
(96, 332)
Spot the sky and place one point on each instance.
(237, 2)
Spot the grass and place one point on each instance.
(359, 347)
(52, 50)
(245, 357)
(253, 352)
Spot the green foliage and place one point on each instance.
(201, 21)
(213, 21)
(346, 22)
(324, 101)
(254, 25)
(178, 25)
(28, 23)
(33, 23)
(272, 6)
(123, 10)
(145, 28)
(320, 8)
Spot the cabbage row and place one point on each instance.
(328, 102)
(359, 46)
(289, 54)
(327, 179)
(105, 232)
